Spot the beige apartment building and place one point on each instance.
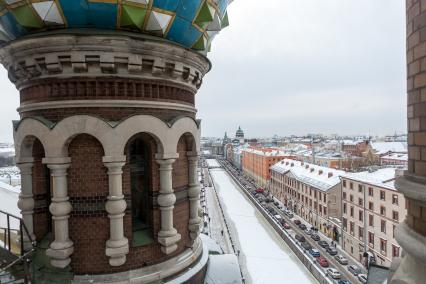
(311, 191)
(371, 210)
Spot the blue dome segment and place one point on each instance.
(191, 23)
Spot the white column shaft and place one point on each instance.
(117, 247)
(26, 200)
(194, 198)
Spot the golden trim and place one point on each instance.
(103, 1)
(216, 8)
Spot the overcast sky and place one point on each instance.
(295, 67)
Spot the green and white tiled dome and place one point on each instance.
(191, 23)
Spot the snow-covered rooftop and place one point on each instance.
(319, 177)
(267, 152)
(383, 177)
(396, 156)
(381, 148)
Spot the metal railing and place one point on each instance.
(8, 230)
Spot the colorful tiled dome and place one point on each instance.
(191, 23)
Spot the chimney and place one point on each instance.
(312, 169)
(292, 164)
(286, 164)
(307, 167)
(330, 175)
(302, 163)
(320, 172)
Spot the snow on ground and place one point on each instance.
(9, 203)
(212, 163)
(268, 258)
(10, 175)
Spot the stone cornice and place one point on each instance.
(65, 56)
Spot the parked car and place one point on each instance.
(341, 259)
(300, 238)
(286, 226)
(259, 190)
(355, 270)
(362, 278)
(302, 226)
(331, 251)
(323, 244)
(314, 252)
(334, 273)
(315, 237)
(344, 282)
(308, 232)
(278, 217)
(306, 245)
(322, 261)
(297, 222)
(290, 215)
(276, 203)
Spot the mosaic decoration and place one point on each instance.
(191, 23)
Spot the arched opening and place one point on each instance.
(41, 187)
(142, 173)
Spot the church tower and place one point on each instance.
(108, 139)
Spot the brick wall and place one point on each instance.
(416, 103)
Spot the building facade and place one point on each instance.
(108, 140)
(256, 162)
(311, 191)
(372, 208)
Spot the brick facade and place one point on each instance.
(416, 104)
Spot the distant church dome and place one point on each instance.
(239, 133)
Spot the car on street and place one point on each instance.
(315, 237)
(306, 245)
(302, 226)
(344, 282)
(259, 190)
(331, 250)
(308, 232)
(297, 222)
(300, 238)
(355, 270)
(286, 226)
(322, 261)
(341, 259)
(289, 214)
(362, 278)
(314, 252)
(323, 244)
(334, 273)
(276, 203)
(278, 217)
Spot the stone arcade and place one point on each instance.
(108, 140)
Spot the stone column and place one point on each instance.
(62, 247)
(26, 200)
(168, 236)
(117, 247)
(194, 196)
(411, 234)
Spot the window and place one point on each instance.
(359, 188)
(370, 191)
(352, 225)
(325, 210)
(320, 209)
(383, 210)
(360, 215)
(383, 246)
(351, 185)
(371, 206)
(344, 183)
(345, 224)
(344, 208)
(360, 233)
(351, 198)
(344, 195)
(371, 239)
(393, 231)
(360, 201)
(315, 194)
(395, 199)
(395, 215)
(371, 220)
(324, 198)
(352, 211)
(382, 195)
(383, 226)
(395, 251)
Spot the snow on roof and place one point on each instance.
(385, 147)
(310, 174)
(383, 177)
(267, 152)
(396, 156)
(223, 269)
(9, 203)
(212, 246)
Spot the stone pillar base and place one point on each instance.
(117, 251)
(168, 241)
(60, 254)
